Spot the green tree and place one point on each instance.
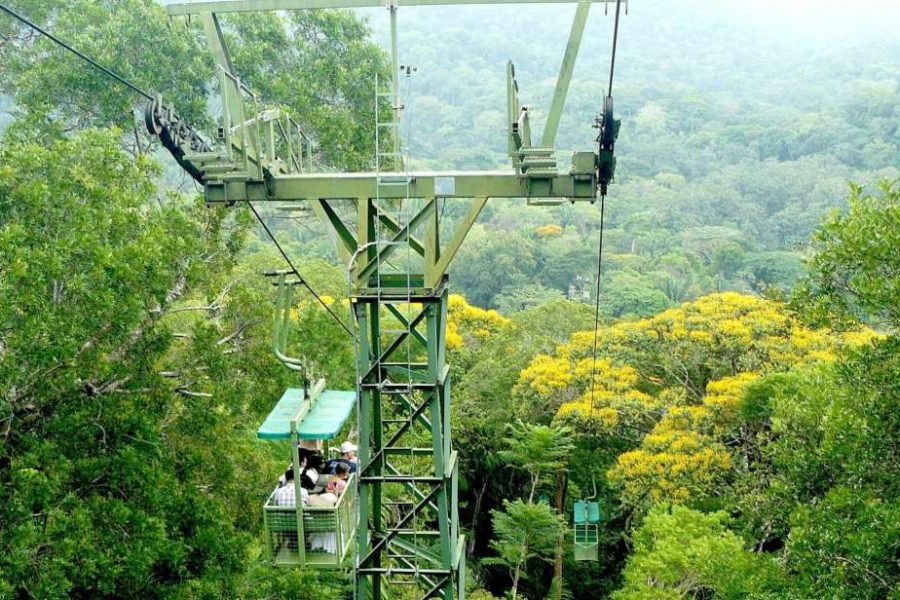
(524, 531)
(855, 267)
(826, 486)
(101, 493)
(50, 85)
(319, 64)
(322, 65)
(628, 293)
(684, 553)
(488, 263)
(517, 299)
(845, 546)
(483, 405)
(772, 269)
(539, 450)
(134, 365)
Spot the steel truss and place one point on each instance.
(402, 404)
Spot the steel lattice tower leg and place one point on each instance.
(408, 518)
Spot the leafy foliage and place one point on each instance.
(49, 84)
(322, 66)
(855, 266)
(92, 434)
(134, 330)
(680, 553)
(538, 450)
(524, 531)
(319, 64)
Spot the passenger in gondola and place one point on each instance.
(286, 494)
(309, 477)
(348, 452)
(313, 458)
(338, 481)
(348, 458)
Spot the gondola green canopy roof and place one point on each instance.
(323, 421)
(587, 512)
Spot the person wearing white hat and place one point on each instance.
(348, 451)
(348, 457)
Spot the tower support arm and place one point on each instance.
(577, 186)
(565, 74)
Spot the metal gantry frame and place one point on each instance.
(403, 382)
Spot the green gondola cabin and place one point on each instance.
(587, 530)
(311, 535)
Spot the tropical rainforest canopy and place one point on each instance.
(742, 432)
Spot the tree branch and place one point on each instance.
(865, 569)
(189, 393)
(237, 332)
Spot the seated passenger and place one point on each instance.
(348, 452)
(335, 484)
(309, 479)
(286, 494)
(326, 500)
(313, 458)
(348, 457)
(338, 481)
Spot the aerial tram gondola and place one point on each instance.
(315, 534)
(586, 528)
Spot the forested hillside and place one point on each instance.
(741, 131)
(742, 432)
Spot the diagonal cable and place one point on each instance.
(302, 279)
(77, 53)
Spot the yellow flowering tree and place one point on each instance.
(684, 348)
(683, 457)
(668, 389)
(468, 324)
(549, 230)
(712, 337)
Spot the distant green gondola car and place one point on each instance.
(587, 530)
(327, 532)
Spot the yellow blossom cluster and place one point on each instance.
(686, 346)
(723, 397)
(466, 322)
(678, 419)
(724, 322)
(549, 230)
(672, 467)
(546, 375)
(563, 380)
(609, 408)
(681, 457)
(678, 459)
(860, 338)
(680, 376)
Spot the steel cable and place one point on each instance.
(290, 263)
(77, 53)
(612, 68)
